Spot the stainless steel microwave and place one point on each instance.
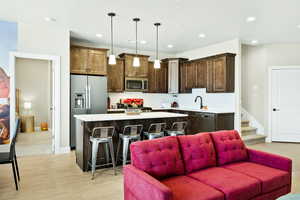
(136, 84)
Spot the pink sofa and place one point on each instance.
(205, 166)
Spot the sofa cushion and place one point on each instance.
(187, 188)
(234, 185)
(229, 147)
(270, 178)
(198, 151)
(159, 157)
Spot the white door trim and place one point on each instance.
(270, 105)
(55, 98)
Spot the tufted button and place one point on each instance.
(207, 141)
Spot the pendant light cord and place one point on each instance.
(157, 42)
(136, 37)
(111, 35)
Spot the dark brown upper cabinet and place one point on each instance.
(85, 60)
(158, 78)
(135, 72)
(215, 73)
(115, 77)
(221, 74)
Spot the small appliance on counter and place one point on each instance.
(174, 104)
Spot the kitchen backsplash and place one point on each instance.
(212, 100)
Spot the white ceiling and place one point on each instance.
(182, 20)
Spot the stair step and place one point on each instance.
(254, 139)
(245, 123)
(248, 131)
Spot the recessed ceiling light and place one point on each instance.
(298, 26)
(99, 35)
(170, 46)
(251, 19)
(201, 35)
(50, 19)
(254, 42)
(143, 41)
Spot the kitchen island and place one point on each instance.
(86, 123)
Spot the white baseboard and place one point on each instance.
(63, 150)
(253, 122)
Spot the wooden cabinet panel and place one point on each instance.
(85, 60)
(201, 74)
(221, 74)
(136, 72)
(97, 62)
(158, 78)
(187, 77)
(183, 77)
(78, 60)
(115, 77)
(163, 78)
(152, 86)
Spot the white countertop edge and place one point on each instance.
(123, 116)
(213, 110)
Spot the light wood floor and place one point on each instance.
(57, 177)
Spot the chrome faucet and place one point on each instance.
(201, 101)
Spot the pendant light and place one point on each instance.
(157, 61)
(112, 57)
(136, 60)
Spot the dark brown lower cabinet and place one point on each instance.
(199, 122)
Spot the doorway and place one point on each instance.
(35, 99)
(284, 108)
(33, 79)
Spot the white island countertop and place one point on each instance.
(123, 116)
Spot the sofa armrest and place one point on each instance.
(143, 186)
(271, 160)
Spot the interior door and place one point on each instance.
(285, 101)
(97, 89)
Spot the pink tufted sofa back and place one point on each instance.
(171, 156)
(198, 151)
(230, 147)
(159, 157)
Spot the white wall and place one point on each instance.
(33, 80)
(256, 61)
(51, 39)
(232, 46)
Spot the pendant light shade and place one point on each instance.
(136, 62)
(157, 61)
(112, 58)
(156, 64)
(136, 59)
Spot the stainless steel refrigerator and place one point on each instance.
(88, 96)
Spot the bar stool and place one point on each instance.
(102, 135)
(156, 130)
(130, 133)
(178, 128)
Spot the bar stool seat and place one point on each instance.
(102, 135)
(178, 128)
(131, 133)
(156, 130)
